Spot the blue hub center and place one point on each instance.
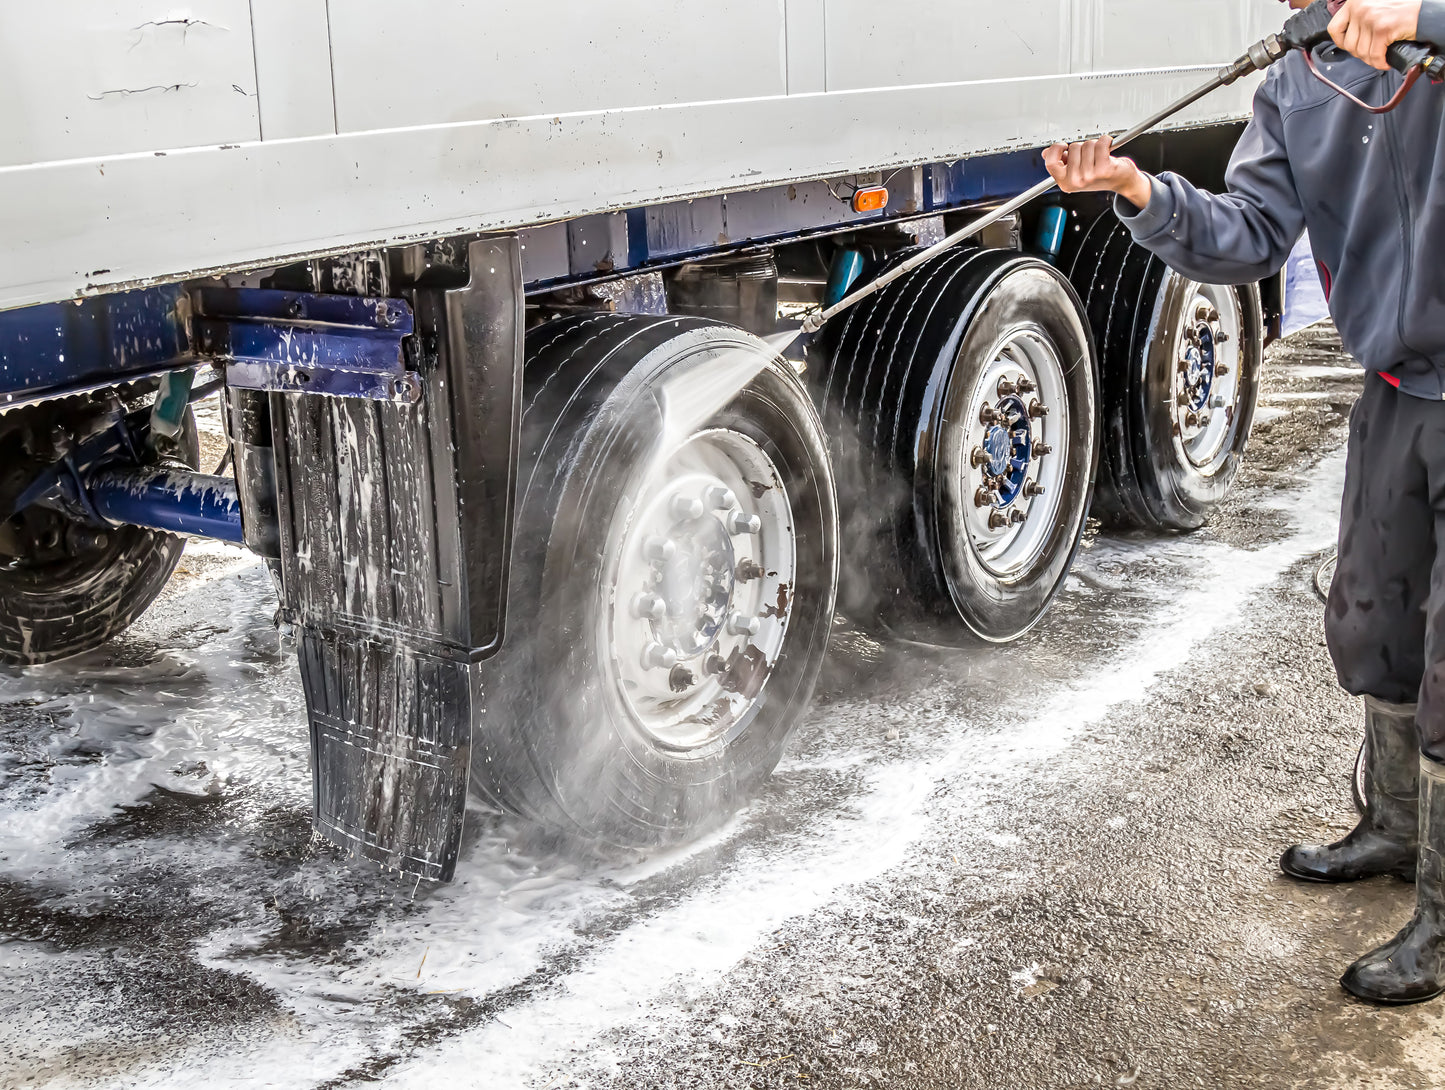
(1009, 445)
(1200, 358)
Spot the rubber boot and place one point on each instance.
(1387, 837)
(1410, 968)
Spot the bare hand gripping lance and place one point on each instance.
(1304, 30)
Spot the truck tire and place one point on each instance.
(673, 579)
(66, 586)
(1179, 368)
(962, 398)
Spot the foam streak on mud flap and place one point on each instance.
(394, 526)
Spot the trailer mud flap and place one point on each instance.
(390, 747)
(394, 526)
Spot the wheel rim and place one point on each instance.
(701, 568)
(1016, 438)
(1206, 381)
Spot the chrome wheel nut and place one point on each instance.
(720, 498)
(649, 607)
(657, 657)
(659, 548)
(740, 522)
(685, 508)
(742, 625)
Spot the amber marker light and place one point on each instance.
(870, 200)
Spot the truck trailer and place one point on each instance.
(485, 288)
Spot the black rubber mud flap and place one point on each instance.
(394, 539)
(390, 748)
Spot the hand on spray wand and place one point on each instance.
(1303, 30)
(1379, 32)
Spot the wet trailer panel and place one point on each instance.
(375, 131)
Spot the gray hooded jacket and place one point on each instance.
(1370, 189)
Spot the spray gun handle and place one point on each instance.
(1404, 56)
(1311, 27)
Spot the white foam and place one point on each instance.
(514, 908)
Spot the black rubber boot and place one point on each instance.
(1410, 968)
(1386, 839)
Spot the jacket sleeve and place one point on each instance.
(1431, 27)
(1236, 237)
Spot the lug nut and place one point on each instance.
(1221, 338)
(649, 607)
(1216, 403)
(1006, 387)
(742, 625)
(1026, 385)
(1037, 409)
(719, 498)
(985, 497)
(659, 548)
(714, 664)
(978, 458)
(997, 520)
(1181, 399)
(1221, 368)
(1212, 316)
(1184, 367)
(685, 508)
(657, 657)
(748, 570)
(681, 679)
(1191, 419)
(1040, 449)
(1017, 517)
(988, 415)
(740, 522)
(1033, 488)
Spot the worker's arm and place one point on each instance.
(1235, 237)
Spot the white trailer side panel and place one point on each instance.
(472, 60)
(104, 77)
(78, 214)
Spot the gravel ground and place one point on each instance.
(1046, 865)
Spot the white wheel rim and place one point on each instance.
(1015, 459)
(701, 562)
(1205, 385)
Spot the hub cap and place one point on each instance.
(1016, 442)
(702, 574)
(1206, 384)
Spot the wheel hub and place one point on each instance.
(696, 586)
(1206, 379)
(1009, 446)
(701, 593)
(1014, 480)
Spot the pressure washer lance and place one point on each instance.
(1304, 30)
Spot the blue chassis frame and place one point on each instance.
(55, 349)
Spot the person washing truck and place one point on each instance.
(1369, 188)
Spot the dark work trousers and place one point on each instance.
(1385, 622)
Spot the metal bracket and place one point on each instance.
(292, 342)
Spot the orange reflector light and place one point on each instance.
(870, 200)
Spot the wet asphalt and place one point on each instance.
(1045, 865)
